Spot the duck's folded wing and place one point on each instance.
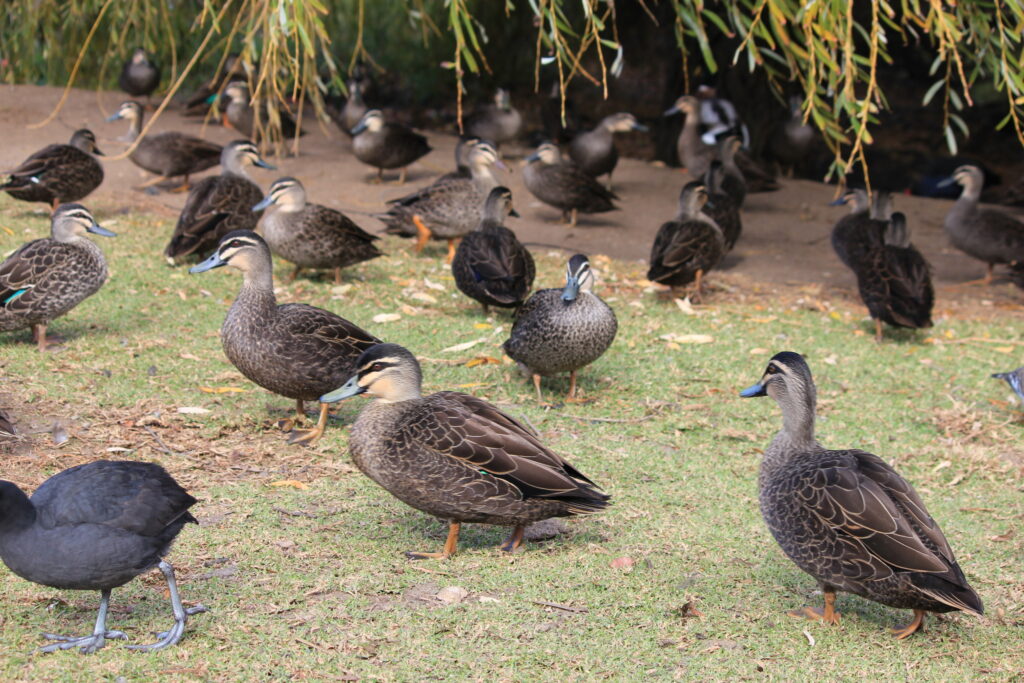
(25, 270)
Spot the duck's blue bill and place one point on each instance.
(215, 261)
(754, 391)
(97, 230)
(267, 201)
(351, 388)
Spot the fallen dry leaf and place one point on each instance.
(622, 563)
(386, 317)
(192, 410)
(687, 338)
(452, 595)
(1003, 537)
(295, 484)
(222, 390)
(424, 297)
(463, 346)
(482, 360)
(189, 356)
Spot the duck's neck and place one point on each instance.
(963, 209)
(135, 128)
(231, 163)
(257, 289)
(797, 435)
(483, 177)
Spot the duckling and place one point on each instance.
(450, 209)
(498, 122)
(45, 278)
(846, 517)
(855, 235)
(219, 204)
(688, 246)
(987, 235)
(562, 330)
(96, 527)
(455, 456)
(1015, 379)
(895, 281)
(564, 186)
(386, 145)
(240, 114)
(294, 350)
(594, 150)
(58, 174)
(722, 207)
(139, 75)
(693, 152)
(491, 265)
(167, 154)
(311, 235)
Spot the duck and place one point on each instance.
(1015, 378)
(384, 145)
(733, 182)
(218, 204)
(450, 209)
(351, 113)
(594, 150)
(895, 281)
(562, 330)
(139, 75)
(58, 174)
(456, 456)
(293, 350)
(565, 186)
(856, 234)
(310, 235)
(721, 207)
(560, 121)
(985, 234)
(240, 114)
(233, 68)
(689, 245)
(6, 425)
(96, 527)
(168, 155)
(792, 141)
(462, 149)
(847, 517)
(490, 264)
(694, 153)
(498, 122)
(45, 278)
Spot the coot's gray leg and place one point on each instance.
(88, 644)
(172, 636)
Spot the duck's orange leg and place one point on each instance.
(450, 546)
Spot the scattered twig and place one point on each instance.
(161, 446)
(564, 608)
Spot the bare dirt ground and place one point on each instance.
(784, 243)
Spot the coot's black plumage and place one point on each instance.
(96, 527)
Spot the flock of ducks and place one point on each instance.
(844, 517)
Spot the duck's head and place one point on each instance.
(129, 110)
(237, 90)
(856, 197)
(622, 123)
(578, 278)
(547, 153)
(498, 205)
(74, 220)
(896, 233)
(84, 140)
(788, 380)
(729, 146)
(462, 148)
(693, 197)
(139, 56)
(287, 193)
(483, 154)
(241, 153)
(241, 249)
(372, 121)
(687, 104)
(968, 176)
(388, 372)
(502, 99)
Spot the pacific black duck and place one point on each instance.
(693, 152)
(58, 174)
(491, 265)
(846, 517)
(564, 186)
(241, 115)
(216, 205)
(721, 207)
(733, 182)
(498, 122)
(6, 425)
(294, 350)
(233, 68)
(96, 527)
(594, 150)
(894, 280)
(562, 330)
(352, 112)
(455, 456)
(384, 145)
(139, 75)
(169, 154)
(462, 149)
(688, 246)
(856, 234)
(46, 278)
(311, 235)
(791, 142)
(987, 235)
(1015, 379)
(447, 209)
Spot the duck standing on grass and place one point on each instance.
(456, 456)
(46, 278)
(293, 350)
(846, 517)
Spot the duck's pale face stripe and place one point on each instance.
(376, 377)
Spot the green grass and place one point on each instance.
(312, 583)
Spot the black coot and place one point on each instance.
(96, 527)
